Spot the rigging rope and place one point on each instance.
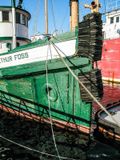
(36, 15)
(105, 6)
(63, 21)
(34, 150)
(74, 64)
(53, 14)
(101, 106)
(49, 104)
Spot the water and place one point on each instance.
(39, 137)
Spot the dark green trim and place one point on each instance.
(62, 114)
(23, 39)
(13, 3)
(55, 65)
(5, 7)
(29, 15)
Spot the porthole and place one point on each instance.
(51, 92)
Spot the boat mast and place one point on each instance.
(46, 16)
(74, 14)
(13, 4)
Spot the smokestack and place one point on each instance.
(74, 14)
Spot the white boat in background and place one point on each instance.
(105, 123)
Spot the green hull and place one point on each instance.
(25, 87)
(29, 82)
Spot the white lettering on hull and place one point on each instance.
(36, 54)
(6, 59)
(21, 56)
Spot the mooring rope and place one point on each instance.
(91, 95)
(49, 104)
(35, 150)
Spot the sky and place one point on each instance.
(58, 14)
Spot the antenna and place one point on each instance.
(20, 4)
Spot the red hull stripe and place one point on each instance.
(57, 123)
(109, 134)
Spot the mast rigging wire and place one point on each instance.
(105, 6)
(53, 14)
(36, 15)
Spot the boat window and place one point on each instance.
(5, 16)
(9, 46)
(117, 19)
(26, 22)
(0, 45)
(111, 20)
(17, 44)
(23, 19)
(18, 17)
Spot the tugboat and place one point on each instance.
(110, 61)
(40, 80)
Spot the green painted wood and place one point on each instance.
(61, 95)
(29, 81)
(56, 65)
(64, 89)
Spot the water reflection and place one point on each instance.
(111, 94)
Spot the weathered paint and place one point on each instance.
(26, 78)
(110, 62)
(34, 87)
(58, 123)
(36, 54)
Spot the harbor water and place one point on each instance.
(26, 140)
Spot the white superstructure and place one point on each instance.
(6, 28)
(39, 53)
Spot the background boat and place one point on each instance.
(110, 62)
(106, 125)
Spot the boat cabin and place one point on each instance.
(111, 28)
(6, 27)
